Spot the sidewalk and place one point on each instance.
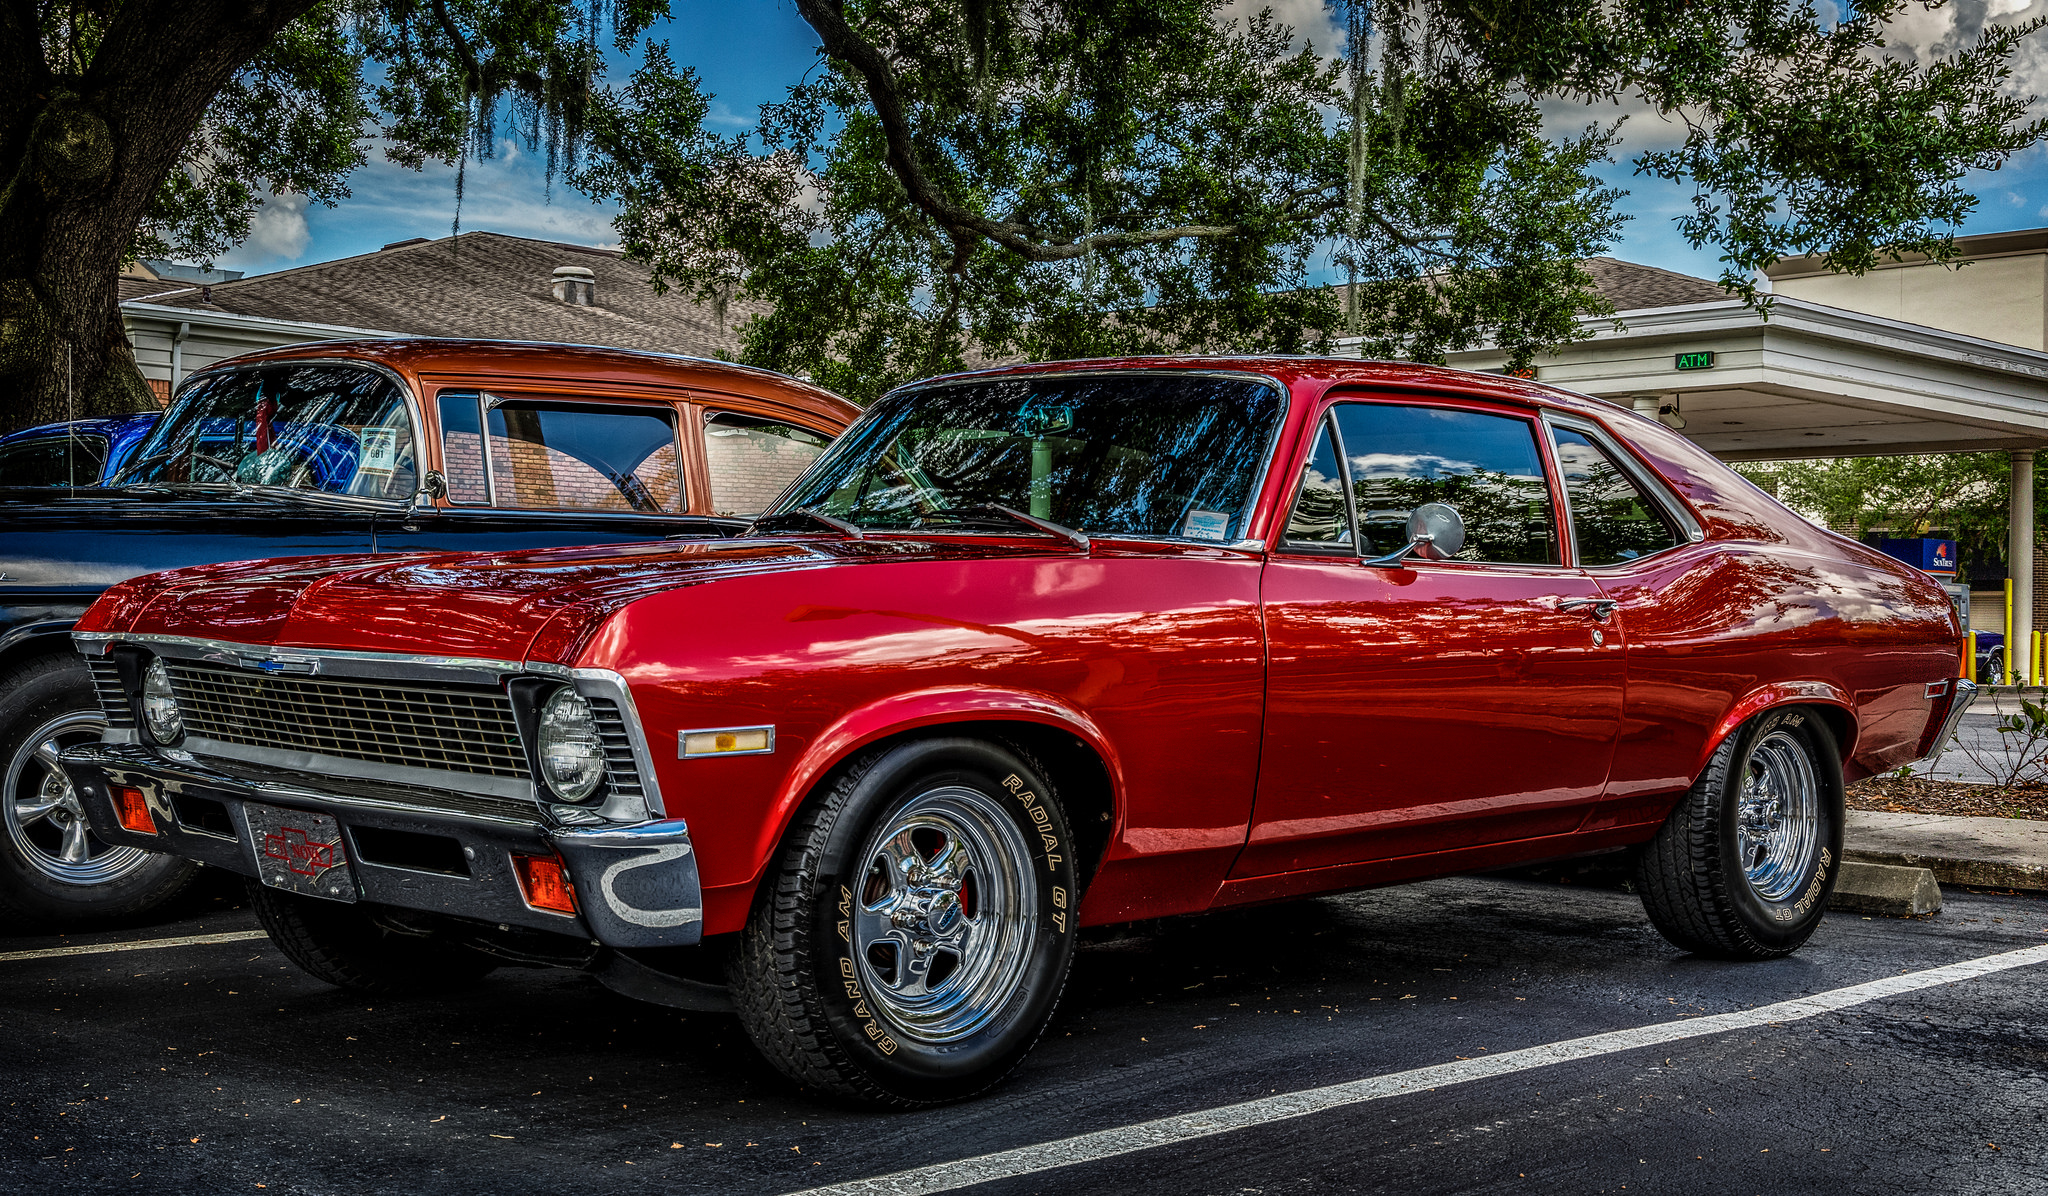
(1994, 853)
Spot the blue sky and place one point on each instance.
(748, 53)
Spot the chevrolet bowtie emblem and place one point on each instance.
(281, 664)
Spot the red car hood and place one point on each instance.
(487, 605)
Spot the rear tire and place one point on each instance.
(53, 869)
(910, 944)
(343, 945)
(1744, 866)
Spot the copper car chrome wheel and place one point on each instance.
(945, 915)
(45, 821)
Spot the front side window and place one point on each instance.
(61, 460)
(1320, 518)
(1485, 466)
(559, 456)
(320, 428)
(1172, 454)
(749, 460)
(1612, 519)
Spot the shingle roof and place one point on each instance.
(479, 285)
(1632, 287)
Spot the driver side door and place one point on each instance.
(1436, 704)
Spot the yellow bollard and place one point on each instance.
(1970, 656)
(2005, 677)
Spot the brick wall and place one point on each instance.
(749, 468)
(535, 476)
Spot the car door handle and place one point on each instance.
(1600, 608)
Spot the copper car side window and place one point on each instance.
(749, 460)
(1486, 466)
(1320, 519)
(1612, 520)
(462, 456)
(582, 457)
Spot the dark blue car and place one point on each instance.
(82, 452)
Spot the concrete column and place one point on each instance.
(2020, 555)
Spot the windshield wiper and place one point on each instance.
(989, 514)
(802, 514)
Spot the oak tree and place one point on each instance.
(133, 128)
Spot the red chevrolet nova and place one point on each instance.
(1030, 650)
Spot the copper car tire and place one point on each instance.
(1692, 877)
(805, 1001)
(38, 699)
(344, 945)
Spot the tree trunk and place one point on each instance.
(82, 154)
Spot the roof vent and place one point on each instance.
(404, 243)
(575, 285)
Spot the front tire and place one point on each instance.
(344, 945)
(910, 944)
(1744, 866)
(53, 869)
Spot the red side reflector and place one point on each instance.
(545, 883)
(131, 811)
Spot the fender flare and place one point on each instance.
(883, 718)
(1812, 692)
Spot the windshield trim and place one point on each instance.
(412, 410)
(1251, 504)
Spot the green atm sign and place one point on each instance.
(1701, 360)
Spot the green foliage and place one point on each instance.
(1966, 494)
(962, 181)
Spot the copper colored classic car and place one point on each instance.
(1025, 651)
(346, 447)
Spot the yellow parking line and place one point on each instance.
(189, 940)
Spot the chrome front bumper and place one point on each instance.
(635, 885)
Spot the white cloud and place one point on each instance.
(278, 233)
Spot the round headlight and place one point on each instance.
(571, 755)
(160, 705)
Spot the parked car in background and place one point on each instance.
(80, 452)
(1990, 657)
(1025, 651)
(400, 447)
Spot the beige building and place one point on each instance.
(2000, 295)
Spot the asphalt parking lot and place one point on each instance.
(218, 1067)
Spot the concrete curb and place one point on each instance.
(1991, 853)
(1885, 889)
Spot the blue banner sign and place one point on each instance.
(1937, 557)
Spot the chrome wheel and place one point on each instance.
(945, 915)
(46, 823)
(1777, 818)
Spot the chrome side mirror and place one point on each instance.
(432, 487)
(1433, 525)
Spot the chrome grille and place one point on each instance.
(106, 682)
(457, 730)
(621, 774)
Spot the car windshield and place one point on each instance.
(1168, 454)
(323, 429)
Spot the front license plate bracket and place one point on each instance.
(300, 852)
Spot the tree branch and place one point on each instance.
(962, 225)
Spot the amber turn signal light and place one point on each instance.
(131, 811)
(545, 883)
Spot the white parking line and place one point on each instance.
(190, 940)
(1166, 1131)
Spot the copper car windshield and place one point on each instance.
(1166, 454)
(321, 428)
